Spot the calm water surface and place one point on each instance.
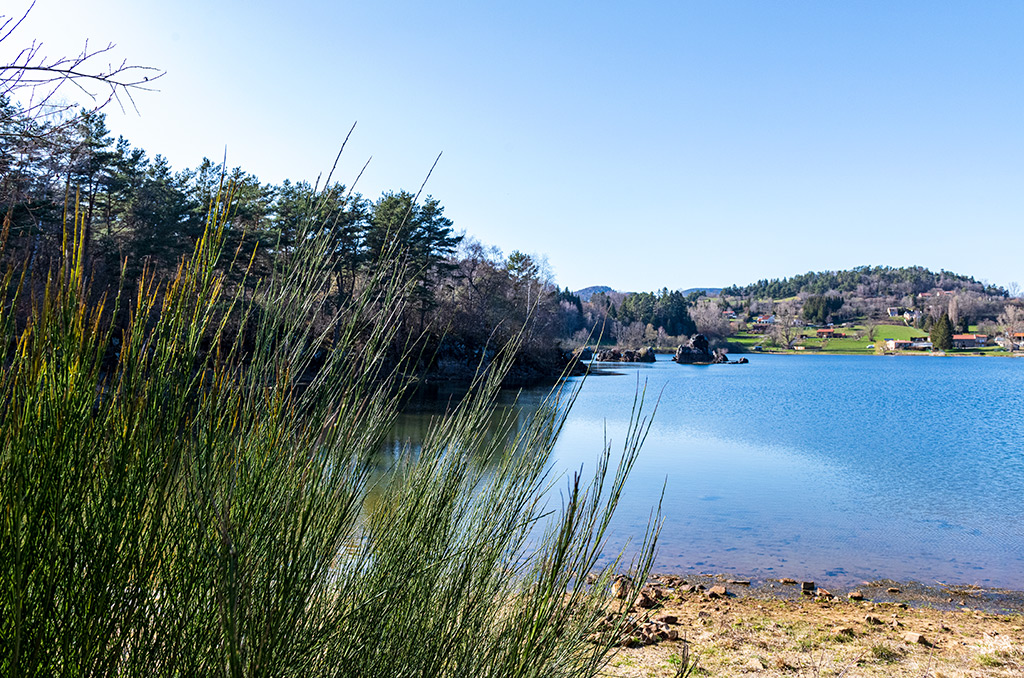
(835, 468)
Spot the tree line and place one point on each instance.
(138, 213)
(138, 210)
(875, 281)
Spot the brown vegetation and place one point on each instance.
(772, 630)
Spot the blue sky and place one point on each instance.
(648, 145)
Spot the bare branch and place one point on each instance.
(39, 78)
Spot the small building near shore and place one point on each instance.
(970, 340)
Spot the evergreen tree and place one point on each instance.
(819, 309)
(29, 201)
(90, 163)
(420, 233)
(942, 334)
(343, 218)
(158, 217)
(567, 296)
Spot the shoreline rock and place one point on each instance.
(910, 593)
(777, 629)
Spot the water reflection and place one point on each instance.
(511, 414)
(845, 467)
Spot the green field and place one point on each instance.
(883, 332)
(856, 341)
(849, 345)
(744, 343)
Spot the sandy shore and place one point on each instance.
(777, 628)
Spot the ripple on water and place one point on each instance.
(844, 467)
(858, 466)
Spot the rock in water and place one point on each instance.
(700, 343)
(695, 351)
(645, 355)
(584, 354)
(615, 355)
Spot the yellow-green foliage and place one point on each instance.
(179, 499)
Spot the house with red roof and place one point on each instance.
(970, 340)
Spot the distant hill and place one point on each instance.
(864, 281)
(588, 292)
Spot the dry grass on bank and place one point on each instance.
(762, 635)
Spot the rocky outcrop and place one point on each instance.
(616, 355)
(697, 351)
(583, 354)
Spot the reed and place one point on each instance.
(184, 494)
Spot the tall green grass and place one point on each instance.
(182, 494)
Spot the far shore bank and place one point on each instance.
(888, 354)
(920, 354)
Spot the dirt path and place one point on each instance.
(773, 629)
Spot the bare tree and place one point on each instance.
(37, 78)
(631, 335)
(936, 306)
(1012, 319)
(953, 311)
(707, 315)
(784, 330)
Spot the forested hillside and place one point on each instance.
(140, 213)
(864, 281)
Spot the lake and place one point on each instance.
(833, 468)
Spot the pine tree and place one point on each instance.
(421, 235)
(942, 334)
